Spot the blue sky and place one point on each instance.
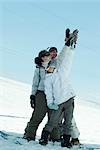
(26, 27)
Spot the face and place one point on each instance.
(46, 58)
(53, 54)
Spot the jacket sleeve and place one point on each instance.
(65, 61)
(48, 90)
(61, 56)
(35, 83)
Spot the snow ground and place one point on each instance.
(15, 112)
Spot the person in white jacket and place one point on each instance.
(74, 129)
(60, 96)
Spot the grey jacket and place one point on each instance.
(38, 80)
(39, 74)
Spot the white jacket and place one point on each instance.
(57, 85)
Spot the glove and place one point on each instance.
(32, 100)
(71, 38)
(67, 37)
(53, 106)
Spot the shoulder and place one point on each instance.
(37, 68)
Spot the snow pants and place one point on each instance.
(65, 109)
(38, 115)
(73, 128)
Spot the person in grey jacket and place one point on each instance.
(38, 98)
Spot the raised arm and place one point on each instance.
(70, 41)
(65, 58)
(65, 65)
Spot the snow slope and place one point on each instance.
(15, 112)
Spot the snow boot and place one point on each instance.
(75, 141)
(65, 141)
(44, 137)
(28, 138)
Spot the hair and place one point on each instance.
(38, 61)
(52, 49)
(43, 53)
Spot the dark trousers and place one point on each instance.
(38, 114)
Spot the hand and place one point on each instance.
(67, 36)
(32, 100)
(53, 106)
(75, 34)
(71, 38)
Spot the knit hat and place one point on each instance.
(52, 49)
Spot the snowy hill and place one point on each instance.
(15, 112)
